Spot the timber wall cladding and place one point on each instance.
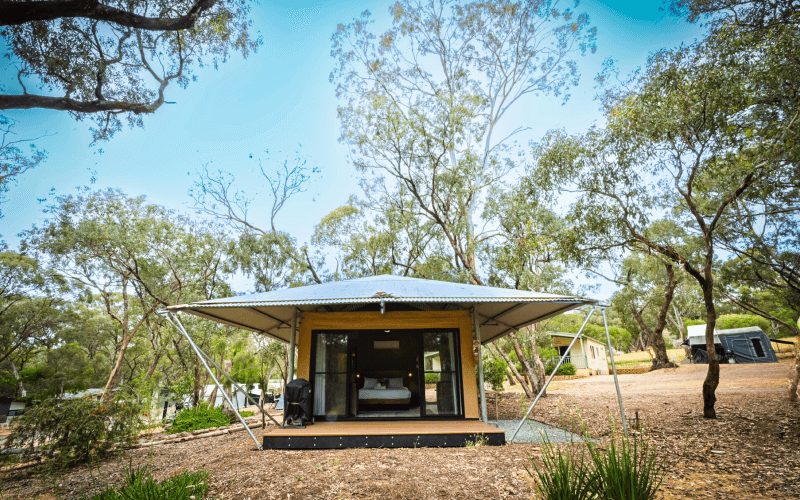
(404, 320)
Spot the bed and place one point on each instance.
(384, 391)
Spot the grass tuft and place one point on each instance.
(140, 485)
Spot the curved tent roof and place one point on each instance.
(500, 310)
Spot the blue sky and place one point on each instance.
(279, 99)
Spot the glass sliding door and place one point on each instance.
(441, 370)
(386, 374)
(331, 375)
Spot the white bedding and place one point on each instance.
(384, 393)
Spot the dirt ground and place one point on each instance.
(751, 451)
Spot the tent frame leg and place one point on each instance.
(177, 323)
(553, 374)
(238, 387)
(614, 368)
(560, 361)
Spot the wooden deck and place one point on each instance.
(384, 434)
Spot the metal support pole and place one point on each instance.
(555, 370)
(177, 323)
(290, 375)
(614, 368)
(238, 387)
(477, 332)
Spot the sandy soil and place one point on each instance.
(757, 431)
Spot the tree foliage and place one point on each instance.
(114, 60)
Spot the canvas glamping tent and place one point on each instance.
(391, 360)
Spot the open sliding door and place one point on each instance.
(331, 374)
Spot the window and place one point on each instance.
(758, 348)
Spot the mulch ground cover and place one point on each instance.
(752, 450)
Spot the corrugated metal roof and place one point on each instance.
(500, 309)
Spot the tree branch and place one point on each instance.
(28, 101)
(14, 12)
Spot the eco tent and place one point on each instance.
(363, 345)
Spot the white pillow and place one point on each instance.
(379, 386)
(395, 383)
(369, 383)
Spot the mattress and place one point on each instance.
(384, 393)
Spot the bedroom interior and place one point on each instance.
(385, 376)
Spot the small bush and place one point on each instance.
(140, 485)
(246, 414)
(620, 468)
(628, 468)
(565, 369)
(494, 372)
(566, 474)
(432, 378)
(76, 430)
(200, 417)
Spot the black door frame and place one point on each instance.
(420, 372)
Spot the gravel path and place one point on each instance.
(531, 432)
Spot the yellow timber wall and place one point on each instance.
(406, 320)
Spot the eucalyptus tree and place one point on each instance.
(17, 156)
(423, 103)
(32, 309)
(114, 60)
(703, 128)
(648, 288)
(523, 253)
(269, 256)
(382, 234)
(137, 257)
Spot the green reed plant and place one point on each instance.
(566, 472)
(140, 485)
(618, 468)
(629, 468)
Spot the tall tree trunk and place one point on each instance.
(534, 380)
(510, 378)
(153, 365)
(662, 358)
(677, 320)
(646, 336)
(514, 370)
(117, 369)
(20, 386)
(196, 391)
(227, 365)
(712, 375)
(536, 360)
(656, 338)
(212, 399)
(794, 375)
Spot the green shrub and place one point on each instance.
(620, 468)
(140, 485)
(432, 378)
(76, 430)
(494, 372)
(565, 369)
(566, 474)
(200, 417)
(246, 414)
(628, 468)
